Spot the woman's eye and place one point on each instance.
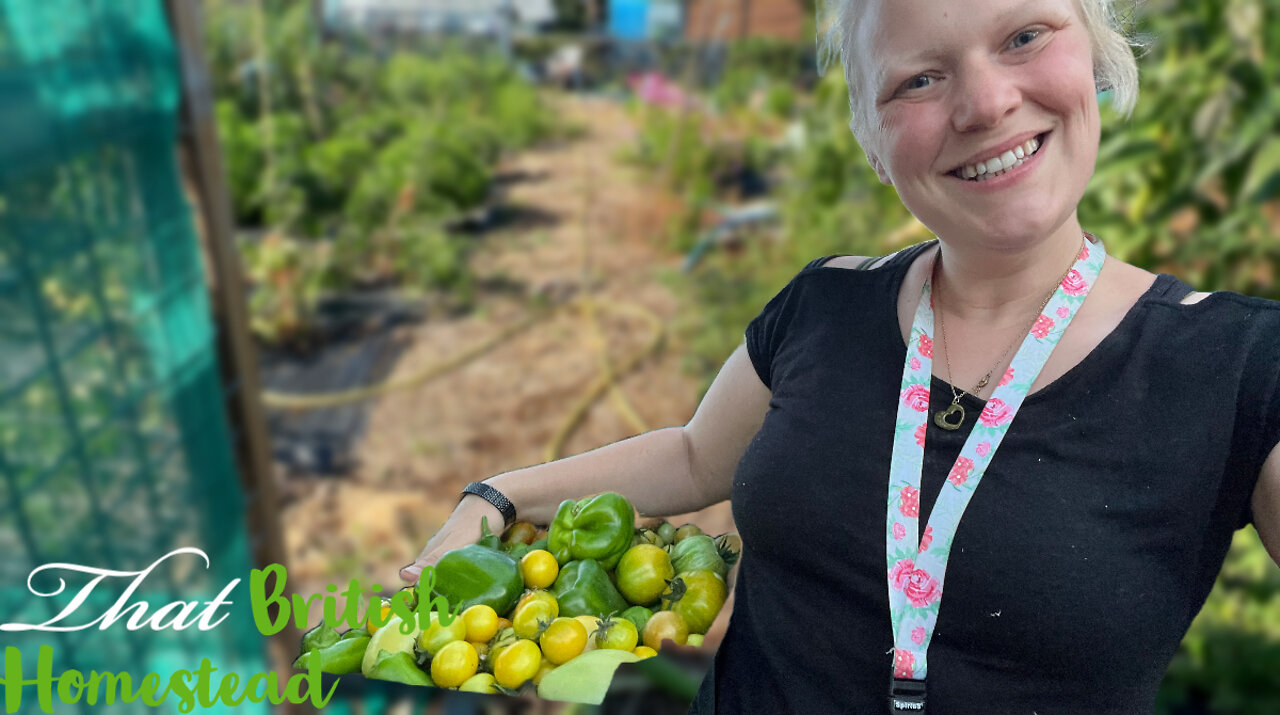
(1024, 38)
(920, 81)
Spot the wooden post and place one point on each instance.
(237, 355)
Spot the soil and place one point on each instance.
(582, 221)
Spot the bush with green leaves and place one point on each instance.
(370, 149)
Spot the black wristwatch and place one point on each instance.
(494, 497)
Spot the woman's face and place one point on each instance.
(984, 112)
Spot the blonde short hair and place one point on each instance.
(1114, 65)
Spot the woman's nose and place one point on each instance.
(985, 94)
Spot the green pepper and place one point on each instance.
(322, 636)
(599, 528)
(341, 657)
(477, 574)
(638, 615)
(582, 588)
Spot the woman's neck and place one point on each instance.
(998, 285)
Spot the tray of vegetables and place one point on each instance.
(552, 613)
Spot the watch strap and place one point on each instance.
(494, 497)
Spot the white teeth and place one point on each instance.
(1000, 164)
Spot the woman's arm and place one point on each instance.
(1266, 504)
(666, 471)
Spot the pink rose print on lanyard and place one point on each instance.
(916, 397)
(1008, 377)
(904, 663)
(961, 471)
(926, 539)
(910, 506)
(920, 435)
(1074, 283)
(917, 635)
(920, 588)
(1042, 327)
(995, 413)
(926, 346)
(899, 531)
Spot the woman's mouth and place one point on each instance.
(997, 165)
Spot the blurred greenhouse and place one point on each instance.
(279, 278)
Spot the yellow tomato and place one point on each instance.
(482, 622)
(565, 638)
(664, 625)
(591, 623)
(546, 667)
(437, 635)
(531, 617)
(539, 569)
(454, 664)
(385, 611)
(480, 683)
(618, 634)
(517, 663)
(644, 651)
(539, 595)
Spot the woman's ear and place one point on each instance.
(879, 169)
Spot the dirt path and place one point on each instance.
(501, 410)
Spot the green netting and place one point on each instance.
(114, 445)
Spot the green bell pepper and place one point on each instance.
(583, 588)
(639, 615)
(341, 657)
(477, 574)
(599, 528)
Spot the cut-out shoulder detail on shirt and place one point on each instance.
(868, 263)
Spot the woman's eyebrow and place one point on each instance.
(934, 53)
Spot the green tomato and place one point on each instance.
(697, 596)
(643, 573)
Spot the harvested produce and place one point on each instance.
(599, 527)
(478, 574)
(555, 612)
(583, 588)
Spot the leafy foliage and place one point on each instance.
(360, 155)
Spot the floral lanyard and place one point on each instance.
(916, 566)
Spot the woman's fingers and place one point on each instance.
(461, 528)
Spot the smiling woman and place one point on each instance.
(1121, 426)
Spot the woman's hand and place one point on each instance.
(460, 529)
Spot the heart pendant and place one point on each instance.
(941, 418)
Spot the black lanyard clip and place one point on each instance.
(906, 696)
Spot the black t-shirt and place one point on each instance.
(1095, 536)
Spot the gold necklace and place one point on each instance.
(942, 417)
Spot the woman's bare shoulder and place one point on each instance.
(1137, 280)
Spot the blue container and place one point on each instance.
(629, 19)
